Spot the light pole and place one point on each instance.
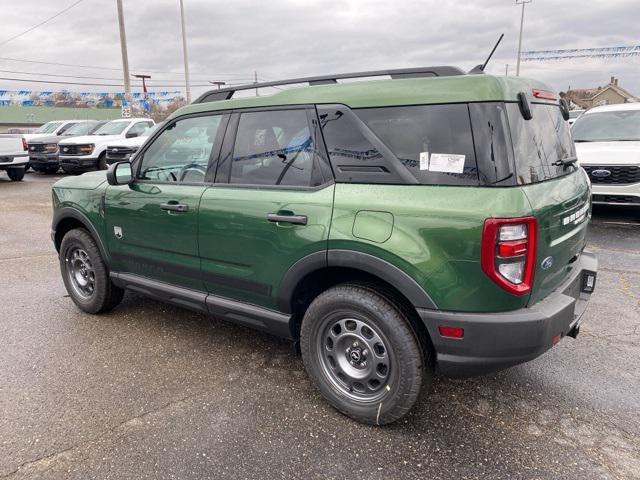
(125, 56)
(523, 3)
(184, 51)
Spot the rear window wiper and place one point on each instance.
(564, 162)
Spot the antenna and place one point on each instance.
(480, 68)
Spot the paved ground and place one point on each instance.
(152, 391)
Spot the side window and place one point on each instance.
(137, 129)
(274, 148)
(433, 142)
(181, 152)
(65, 128)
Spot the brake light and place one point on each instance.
(508, 252)
(543, 94)
(24, 144)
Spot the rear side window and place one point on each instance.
(433, 142)
(539, 143)
(274, 147)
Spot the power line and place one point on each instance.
(57, 75)
(41, 23)
(26, 80)
(116, 69)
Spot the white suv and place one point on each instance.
(88, 152)
(607, 142)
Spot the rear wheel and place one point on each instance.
(51, 170)
(85, 274)
(362, 354)
(15, 174)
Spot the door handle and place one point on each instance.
(296, 219)
(174, 206)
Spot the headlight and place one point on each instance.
(51, 148)
(85, 149)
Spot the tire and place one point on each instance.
(85, 275)
(15, 174)
(102, 161)
(355, 318)
(27, 167)
(69, 171)
(51, 170)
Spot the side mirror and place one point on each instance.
(131, 135)
(120, 173)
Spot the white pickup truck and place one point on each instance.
(88, 152)
(13, 155)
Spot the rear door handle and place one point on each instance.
(174, 206)
(296, 219)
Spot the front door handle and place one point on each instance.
(174, 206)
(296, 219)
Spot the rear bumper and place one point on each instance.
(15, 161)
(626, 194)
(493, 341)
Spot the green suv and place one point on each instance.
(392, 228)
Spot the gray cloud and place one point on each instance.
(228, 40)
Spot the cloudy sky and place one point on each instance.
(229, 40)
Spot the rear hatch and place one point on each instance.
(559, 194)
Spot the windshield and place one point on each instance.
(48, 127)
(112, 128)
(80, 128)
(623, 125)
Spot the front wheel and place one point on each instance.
(15, 174)
(85, 274)
(362, 354)
(102, 162)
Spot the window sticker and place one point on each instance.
(424, 160)
(447, 163)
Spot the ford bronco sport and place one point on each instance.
(434, 221)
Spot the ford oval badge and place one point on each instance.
(601, 173)
(546, 263)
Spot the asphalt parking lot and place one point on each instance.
(152, 391)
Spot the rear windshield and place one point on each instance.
(540, 143)
(620, 126)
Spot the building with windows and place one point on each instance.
(585, 98)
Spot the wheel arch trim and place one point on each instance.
(69, 212)
(354, 259)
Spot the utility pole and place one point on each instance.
(255, 80)
(523, 3)
(218, 84)
(184, 51)
(506, 70)
(125, 56)
(147, 107)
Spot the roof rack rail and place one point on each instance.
(227, 93)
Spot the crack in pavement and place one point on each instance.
(50, 458)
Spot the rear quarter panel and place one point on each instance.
(435, 237)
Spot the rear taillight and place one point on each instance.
(24, 144)
(509, 252)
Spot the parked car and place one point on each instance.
(387, 227)
(43, 151)
(608, 145)
(124, 149)
(13, 155)
(574, 115)
(50, 128)
(89, 152)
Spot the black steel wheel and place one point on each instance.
(85, 274)
(362, 353)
